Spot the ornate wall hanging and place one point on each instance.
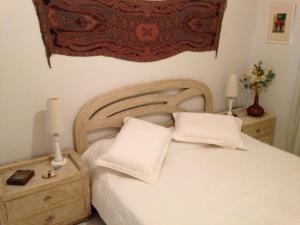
(135, 30)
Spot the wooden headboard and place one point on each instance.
(108, 110)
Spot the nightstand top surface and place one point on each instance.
(242, 114)
(72, 170)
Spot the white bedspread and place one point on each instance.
(205, 185)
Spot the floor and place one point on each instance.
(94, 220)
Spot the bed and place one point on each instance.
(199, 184)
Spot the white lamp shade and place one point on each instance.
(232, 88)
(53, 117)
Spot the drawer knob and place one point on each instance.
(47, 198)
(50, 219)
(258, 130)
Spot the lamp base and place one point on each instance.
(58, 164)
(230, 102)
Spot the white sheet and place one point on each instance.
(205, 185)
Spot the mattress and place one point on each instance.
(205, 185)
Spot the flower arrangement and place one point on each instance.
(258, 79)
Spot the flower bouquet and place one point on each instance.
(256, 81)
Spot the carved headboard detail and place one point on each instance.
(108, 110)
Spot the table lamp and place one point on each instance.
(55, 127)
(232, 91)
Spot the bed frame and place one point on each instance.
(108, 110)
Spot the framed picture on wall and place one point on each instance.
(280, 22)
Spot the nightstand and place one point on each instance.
(261, 128)
(61, 200)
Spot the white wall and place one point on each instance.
(283, 59)
(26, 81)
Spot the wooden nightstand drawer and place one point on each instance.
(259, 130)
(15, 208)
(61, 215)
(267, 139)
(61, 200)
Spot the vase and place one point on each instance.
(256, 110)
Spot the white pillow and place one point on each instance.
(216, 129)
(95, 151)
(138, 150)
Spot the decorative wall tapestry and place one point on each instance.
(135, 30)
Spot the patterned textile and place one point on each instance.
(135, 30)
